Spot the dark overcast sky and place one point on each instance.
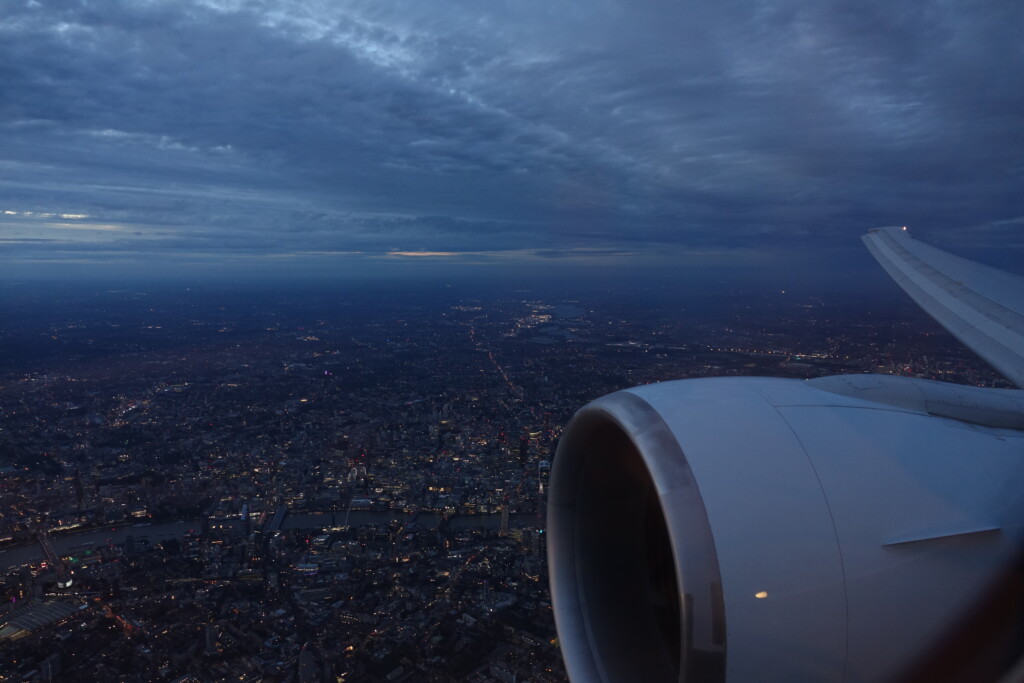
(311, 136)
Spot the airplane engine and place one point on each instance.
(862, 528)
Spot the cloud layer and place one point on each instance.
(191, 130)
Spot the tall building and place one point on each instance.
(543, 473)
(211, 639)
(49, 668)
(504, 517)
(79, 494)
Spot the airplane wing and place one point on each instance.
(981, 306)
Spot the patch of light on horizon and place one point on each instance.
(427, 253)
(46, 214)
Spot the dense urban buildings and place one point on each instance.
(333, 485)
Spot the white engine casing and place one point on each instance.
(745, 529)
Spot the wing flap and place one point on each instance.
(981, 306)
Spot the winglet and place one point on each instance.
(981, 306)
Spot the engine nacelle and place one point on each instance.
(766, 529)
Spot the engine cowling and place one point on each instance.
(742, 529)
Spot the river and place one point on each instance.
(66, 544)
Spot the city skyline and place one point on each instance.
(327, 484)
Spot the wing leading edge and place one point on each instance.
(981, 306)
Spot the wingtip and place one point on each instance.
(898, 233)
(890, 229)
